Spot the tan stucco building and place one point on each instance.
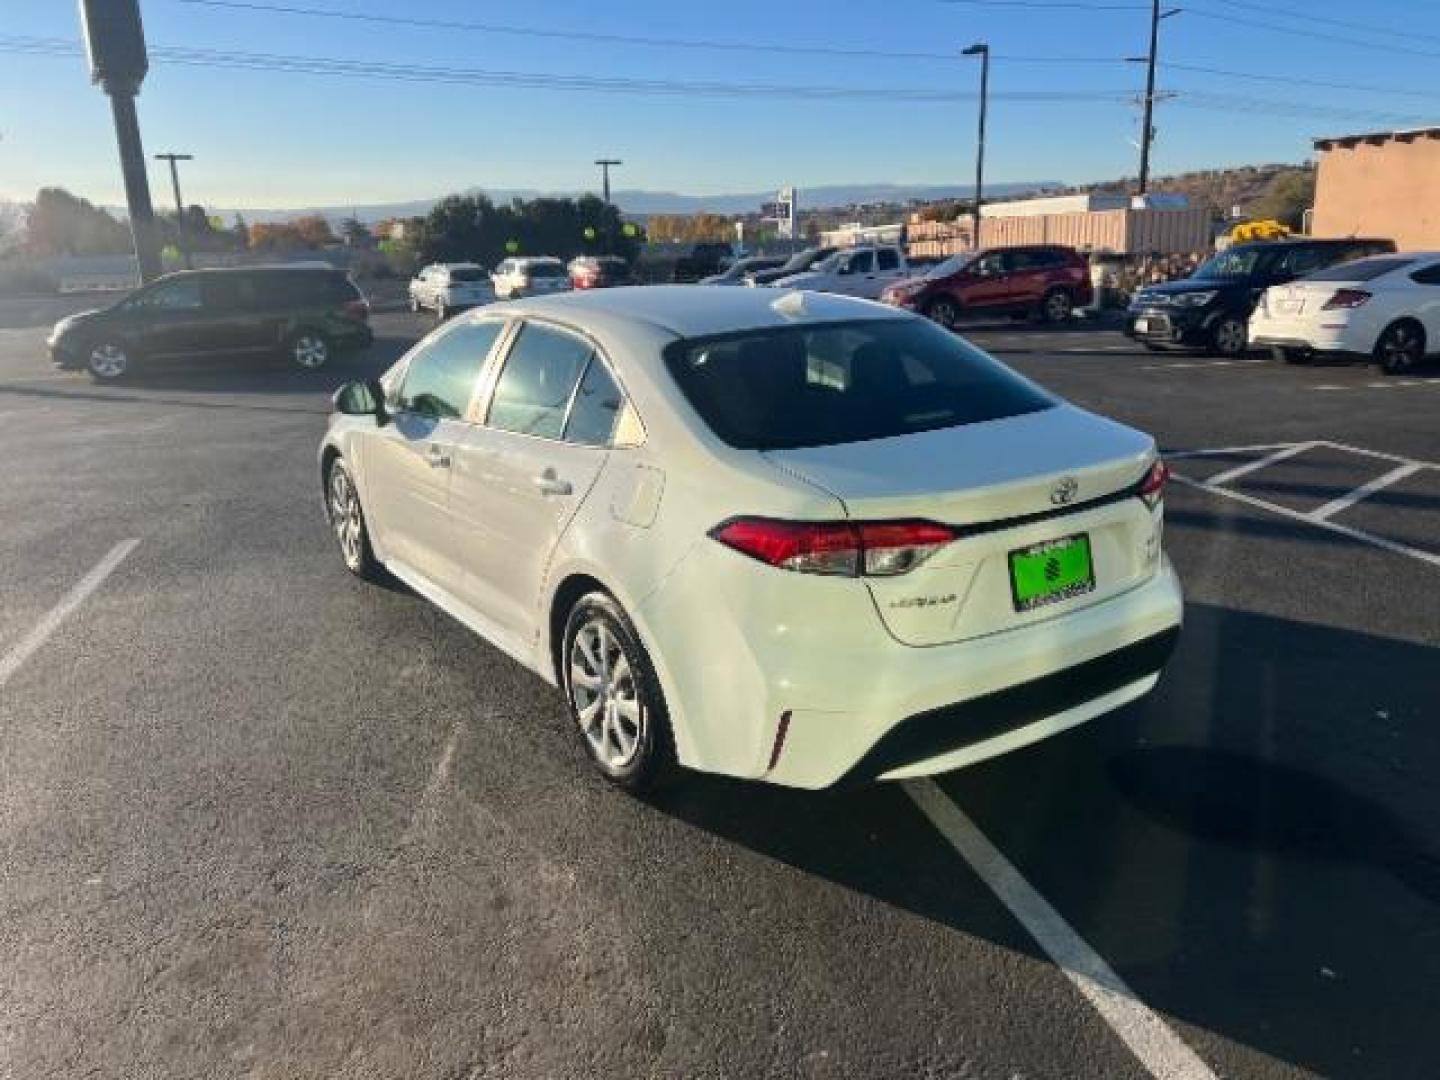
(1383, 184)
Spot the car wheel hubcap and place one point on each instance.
(944, 313)
(1401, 347)
(1058, 307)
(345, 517)
(1230, 337)
(108, 361)
(310, 351)
(605, 697)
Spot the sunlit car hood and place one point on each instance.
(72, 321)
(798, 281)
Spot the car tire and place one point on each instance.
(347, 522)
(1056, 306)
(943, 311)
(1289, 356)
(309, 349)
(414, 306)
(109, 360)
(1400, 349)
(613, 695)
(1229, 337)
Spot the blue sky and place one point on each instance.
(268, 139)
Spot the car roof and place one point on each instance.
(702, 310)
(1309, 241)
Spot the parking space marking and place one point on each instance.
(1388, 384)
(1149, 1038)
(23, 649)
(1260, 463)
(1185, 365)
(1364, 491)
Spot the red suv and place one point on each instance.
(1045, 280)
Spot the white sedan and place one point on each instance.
(1386, 307)
(784, 536)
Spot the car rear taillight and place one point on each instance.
(1152, 488)
(1344, 299)
(356, 310)
(845, 548)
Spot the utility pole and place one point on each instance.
(1147, 131)
(982, 50)
(179, 203)
(115, 43)
(605, 164)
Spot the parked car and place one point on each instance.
(702, 261)
(598, 272)
(446, 288)
(1386, 307)
(790, 537)
(800, 261)
(858, 271)
(735, 273)
(308, 313)
(529, 276)
(1043, 279)
(1211, 309)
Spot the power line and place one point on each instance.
(1073, 5)
(569, 35)
(313, 65)
(1318, 35)
(1346, 24)
(1289, 80)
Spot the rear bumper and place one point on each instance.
(758, 691)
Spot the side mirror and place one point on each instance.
(362, 399)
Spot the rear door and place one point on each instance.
(408, 463)
(521, 475)
(237, 322)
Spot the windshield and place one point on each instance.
(466, 273)
(844, 382)
(545, 270)
(1233, 264)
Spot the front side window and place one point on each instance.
(533, 393)
(440, 379)
(889, 259)
(834, 383)
(862, 262)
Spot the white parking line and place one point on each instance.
(26, 646)
(1364, 491)
(1260, 463)
(1149, 1038)
(1199, 364)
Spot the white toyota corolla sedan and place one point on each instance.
(798, 538)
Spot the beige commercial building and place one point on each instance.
(1384, 184)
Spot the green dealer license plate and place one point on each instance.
(1050, 572)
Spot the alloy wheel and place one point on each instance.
(605, 695)
(945, 313)
(310, 351)
(346, 519)
(1230, 337)
(1057, 307)
(1400, 348)
(108, 361)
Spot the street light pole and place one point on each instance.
(605, 164)
(179, 203)
(982, 50)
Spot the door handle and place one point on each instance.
(438, 458)
(547, 483)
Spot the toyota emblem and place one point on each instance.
(1064, 491)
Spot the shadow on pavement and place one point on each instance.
(1224, 844)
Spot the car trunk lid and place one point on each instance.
(1007, 487)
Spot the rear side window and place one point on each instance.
(844, 382)
(1429, 275)
(466, 273)
(597, 405)
(546, 270)
(533, 393)
(888, 259)
(1301, 260)
(1361, 269)
(303, 288)
(440, 379)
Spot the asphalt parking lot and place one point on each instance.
(263, 820)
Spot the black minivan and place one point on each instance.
(1211, 308)
(308, 313)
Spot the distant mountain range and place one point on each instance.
(640, 203)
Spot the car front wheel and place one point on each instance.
(347, 520)
(1056, 306)
(1230, 337)
(944, 311)
(613, 695)
(108, 360)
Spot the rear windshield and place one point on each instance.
(545, 270)
(835, 383)
(466, 273)
(1360, 269)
